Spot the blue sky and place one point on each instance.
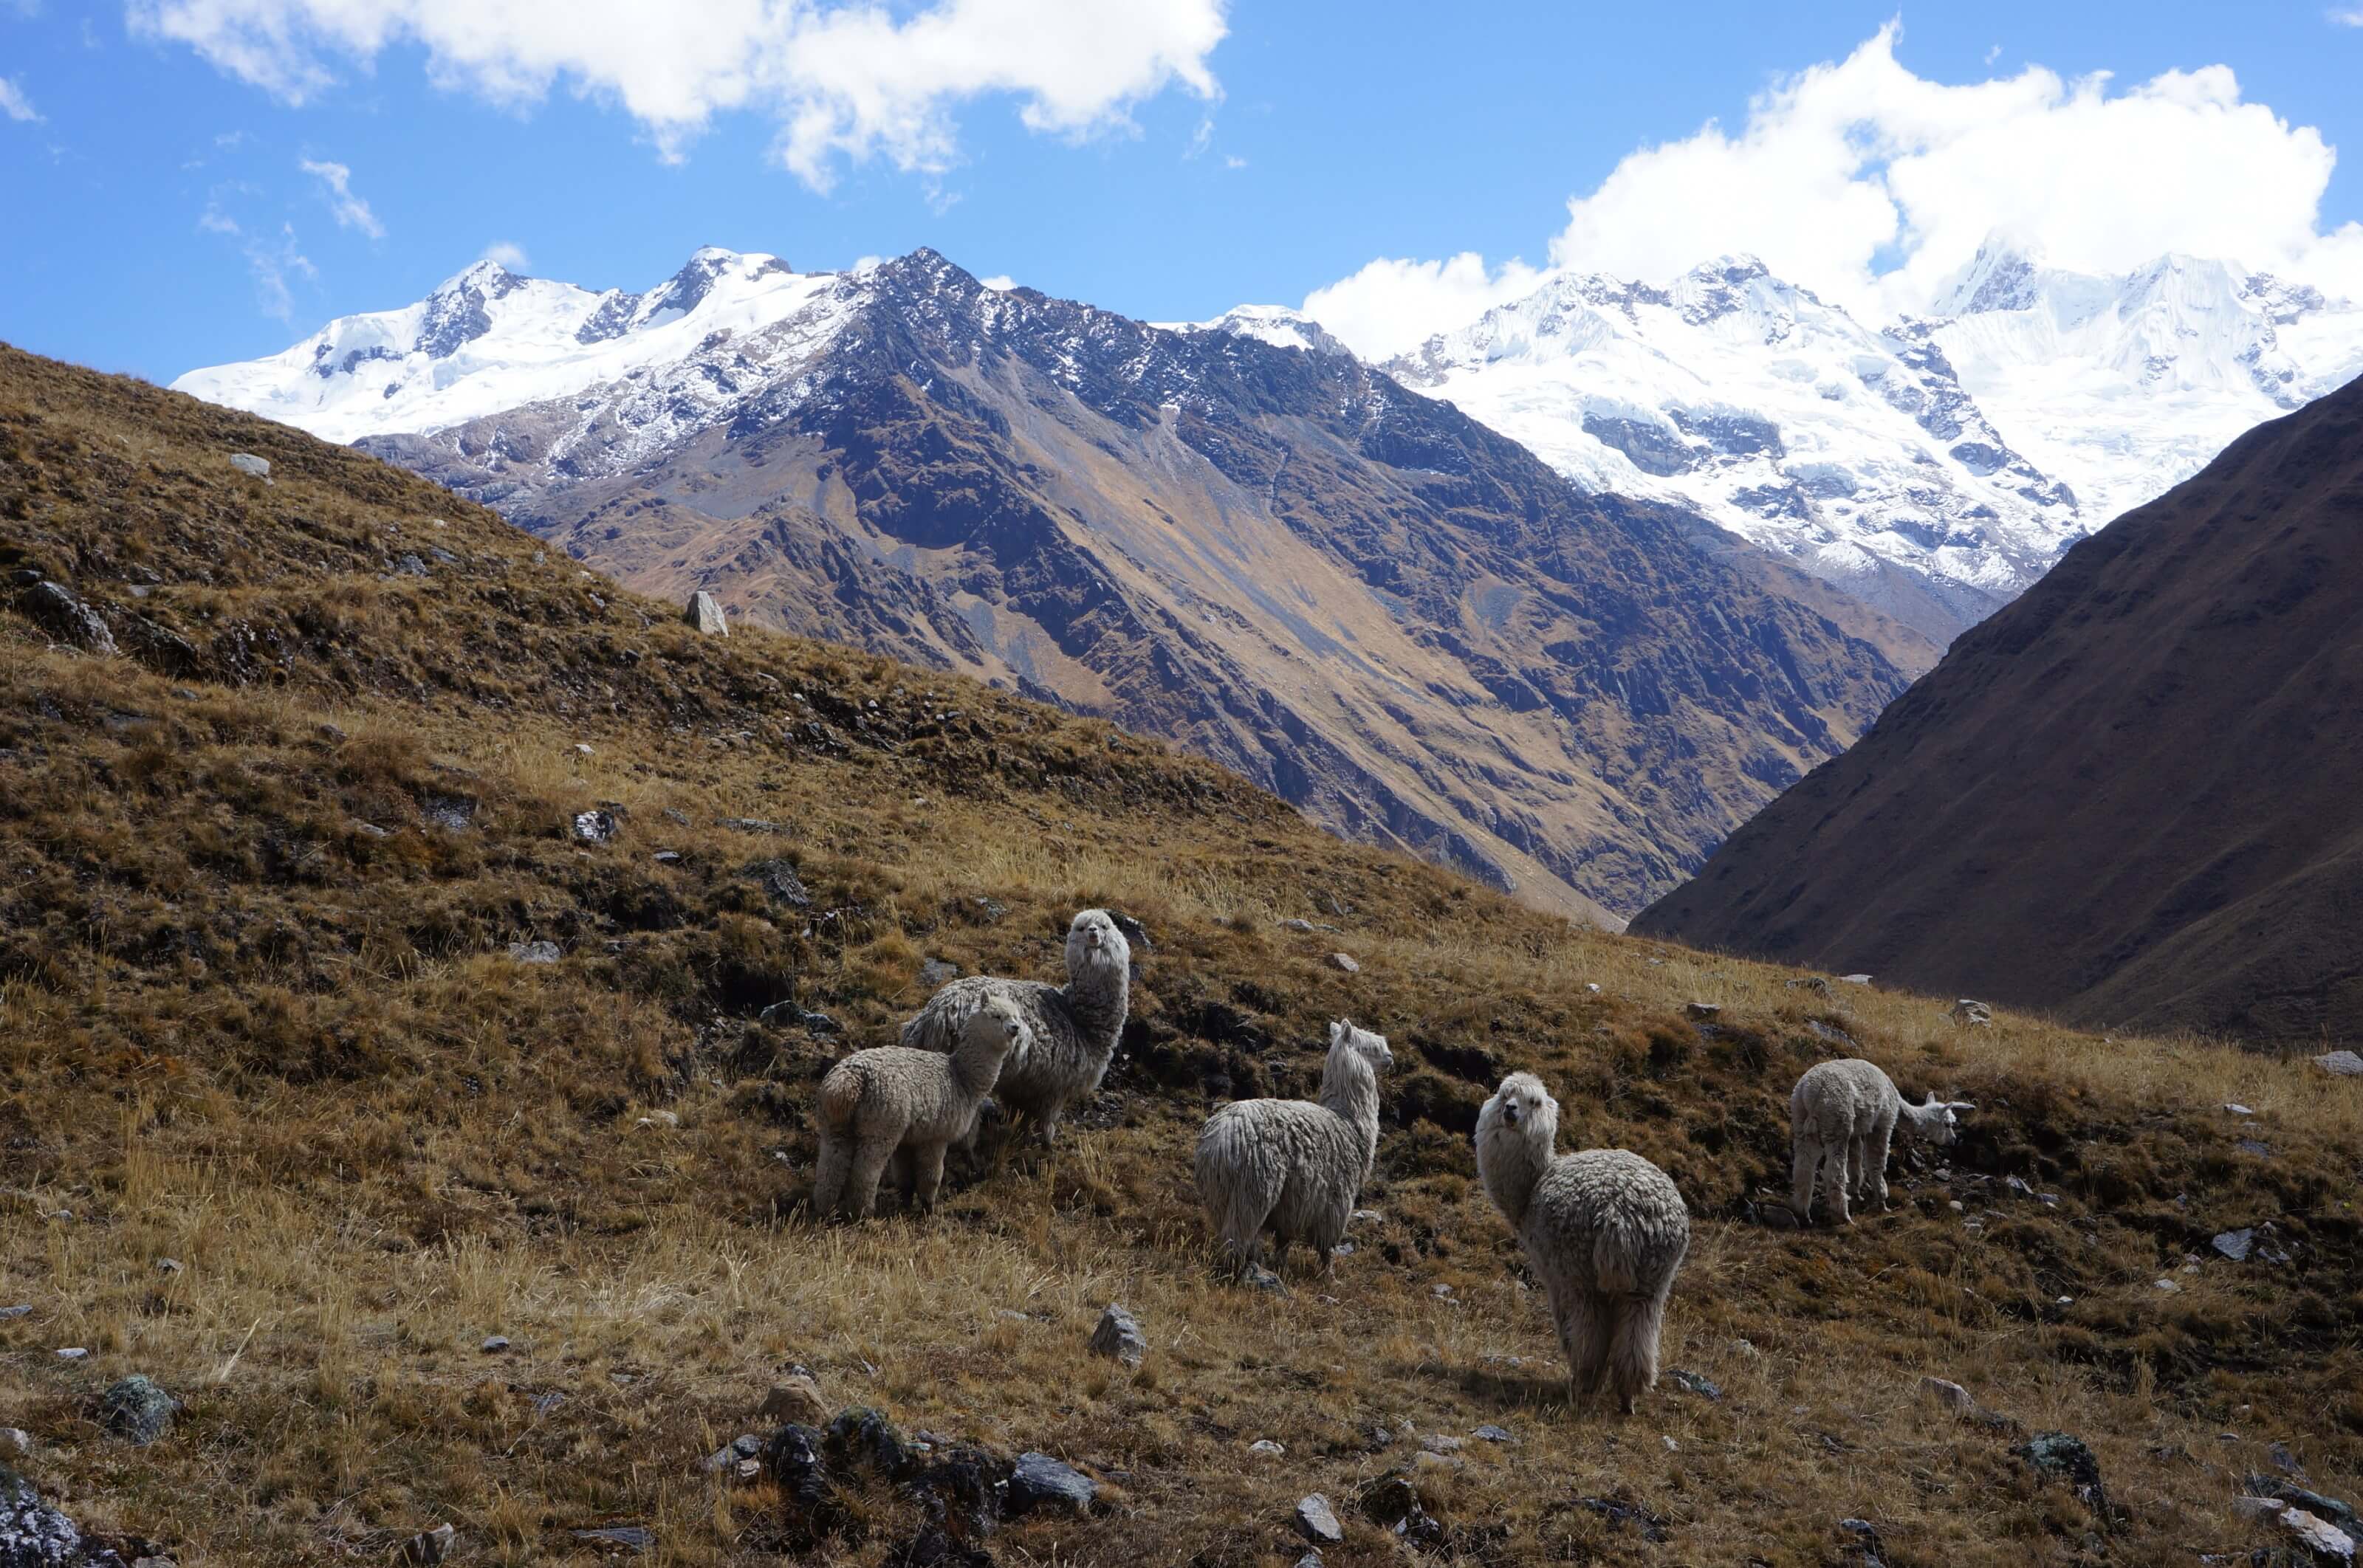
(190, 182)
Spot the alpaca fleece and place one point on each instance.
(890, 1105)
(1071, 1029)
(1294, 1167)
(1842, 1116)
(1605, 1230)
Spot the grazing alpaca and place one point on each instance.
(1294, 1167)
(1604, 1230)
(1842, 1117)
(893, 1105)
(1073, 1028)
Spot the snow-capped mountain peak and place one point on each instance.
(1276, 324)
(487, 339)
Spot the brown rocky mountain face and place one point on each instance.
(1395, 618)
(2131, 796)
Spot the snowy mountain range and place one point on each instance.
(1237, 537)
(1935, 468)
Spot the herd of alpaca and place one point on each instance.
(1604, 1230)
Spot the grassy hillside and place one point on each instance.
(259, 876)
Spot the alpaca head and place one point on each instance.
(1521, 1109)
(1937, 1121)
(1096, 948)
(1371, 1048)
(996, 1029)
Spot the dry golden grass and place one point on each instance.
(242, 1033)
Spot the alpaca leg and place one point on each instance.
(1583, 1336)
(1806, 1153)
(829, 1176)
(898, 1173)
(1879, 1146)
(929, 1162)
(1279, 1254)
(1859, 1173)
(1633, 1358)
(869, 1160)
(1833, 1185)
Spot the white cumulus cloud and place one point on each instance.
(337, 185)
(1871, 184)
(844, 81)
(508, 254)
(1391, 305)
(14, 104)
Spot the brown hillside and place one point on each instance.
(2129, 798)
(260, 874)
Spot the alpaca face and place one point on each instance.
(1371, 1048)
(1094, 945)
(1523, 1103)
(998, 1027)
(1942, 1129)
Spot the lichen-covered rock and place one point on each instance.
(1118, 1336)
(1042, 1482)
(54, 607)
(33, 1534)
(135, 1409)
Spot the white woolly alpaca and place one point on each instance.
(1072, 1028)
(1294, 1167)
(890, 1104)
(1842, 1116)
(1604, 1230)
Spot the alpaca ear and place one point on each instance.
(1960, 1105)
(1337, 1028)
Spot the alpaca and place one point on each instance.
(1292, 1164)
(1604, 1230)
(1072, 1028)
(888, 1104)
(1843, 1116)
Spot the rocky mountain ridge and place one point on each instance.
(1395, 618)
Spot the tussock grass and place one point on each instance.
(241, 1029)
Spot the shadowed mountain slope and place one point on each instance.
(2129, 798)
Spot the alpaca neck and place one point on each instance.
(1350, 1090)
(976, 1066)
(1510, 1163)
(1097, 1000)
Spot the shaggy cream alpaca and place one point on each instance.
(893, 1105)
(1294, 1167)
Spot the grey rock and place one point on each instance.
(937, 972)
(725, 1460)
(1042, 1482)
(632, 1538)
(67, 618)
(2066, 1457)
(1318, 1520)
(2327, 1541)
(595, 826)
(494, 1344)
(74, 1353)
(369, 829)
(1853, 979)
(667, 857)
(2255, 1146)
(453, 812)
(2295, 1496)
(135, 1409)
(2346, 1063)
(780, 880)
(1296, 925)
(1260, 1278)
(1699, 1386)
(1952, 1396)
(19, 1311)
(1266, 1449)
(750, 825)
(1344, 961)
(429, 1546)
(34, 1534)
(704, 612)
(538, 952)
(1703, 1011)
(1489, 1433)
(1437, 1442)
(168, 1265)
(1971, 1014)
(1118, 1336)
(410, 566)
(1813, 983)
(1136, 936)
(2235, 1245)
(248, 463)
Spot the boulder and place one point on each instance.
(2345, 1063)
(1703, 1011)
(937, 973)
(1972, 1013)
(2235, 1245)
(1952, 1396)
(797, 1399)
(1318, 1520)
(595, 826)
(248, 463)
(2331, 1547)
(704, 612)
(54, 608)
(135, 1409)
(539, 952)
(33, 1534)
(1118, 1336)
(1042, 1482)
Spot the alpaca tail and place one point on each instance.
(1633, 1345)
